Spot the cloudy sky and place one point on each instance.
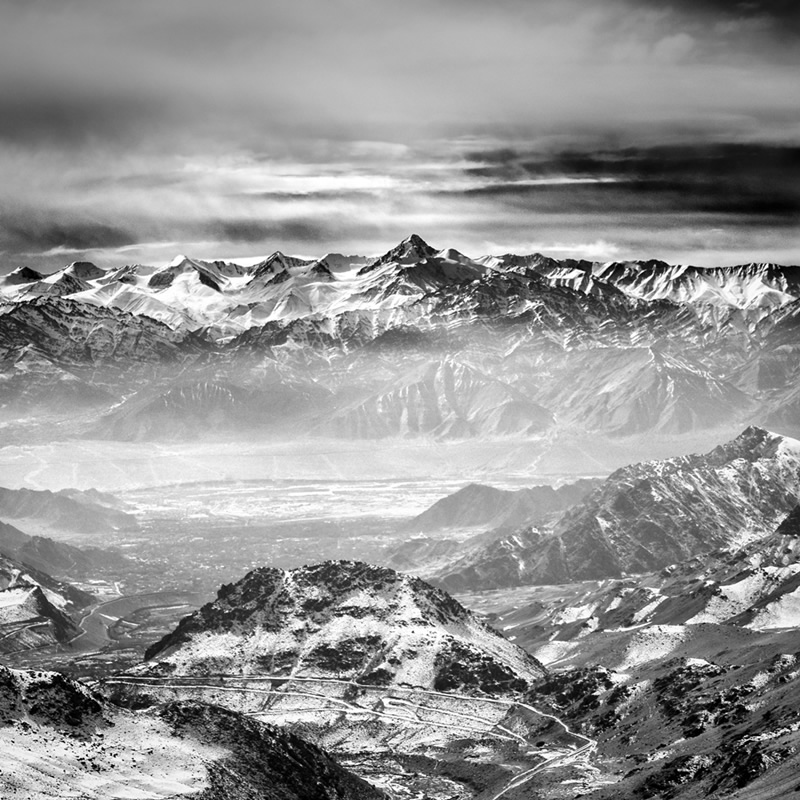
(131, 131)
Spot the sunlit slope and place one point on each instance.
(60, 739)
(343, 620)
(645, 517)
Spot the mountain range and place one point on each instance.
(479, 506)
(68, 510)
(418, 342)
(641, 518)
(225, 297)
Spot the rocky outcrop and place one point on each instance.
(344, 620)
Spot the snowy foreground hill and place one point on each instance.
(348, 621)
(396, 678)
(59, 739)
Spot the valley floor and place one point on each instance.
(116, 466)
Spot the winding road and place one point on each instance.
(390, 709)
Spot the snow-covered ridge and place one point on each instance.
(234, 296)
(644, 517)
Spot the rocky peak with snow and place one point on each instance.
(411, 250)
(22, 275)
(646, 516)
(84, 271)
(275, 263)
(183, 265)
(343, 620)
(755, 444)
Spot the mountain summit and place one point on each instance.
(411, 250)
(348, 621)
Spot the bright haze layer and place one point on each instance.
(132, 131)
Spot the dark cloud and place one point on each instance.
(325, 121)
(254, 232)
(780, 12)
(328, 195)
(67, 121)
(245, 72)
(741, 179)
(40, 231)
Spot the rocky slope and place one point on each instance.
(35, 608)
(647, 516)
(348, 621)
(58, 738)
(30, 381)
(637, 389)
(59, 558)
(717, 725)
(754, 587)
(444, 399)
(179, 409)
(480, 506)
(67, 510)
(69, 331)
(686, 677)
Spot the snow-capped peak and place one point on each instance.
(411, 250)
(22, 275)
(84, 271)
(386, 628)
(180, 260)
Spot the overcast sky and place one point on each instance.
(132, 131)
